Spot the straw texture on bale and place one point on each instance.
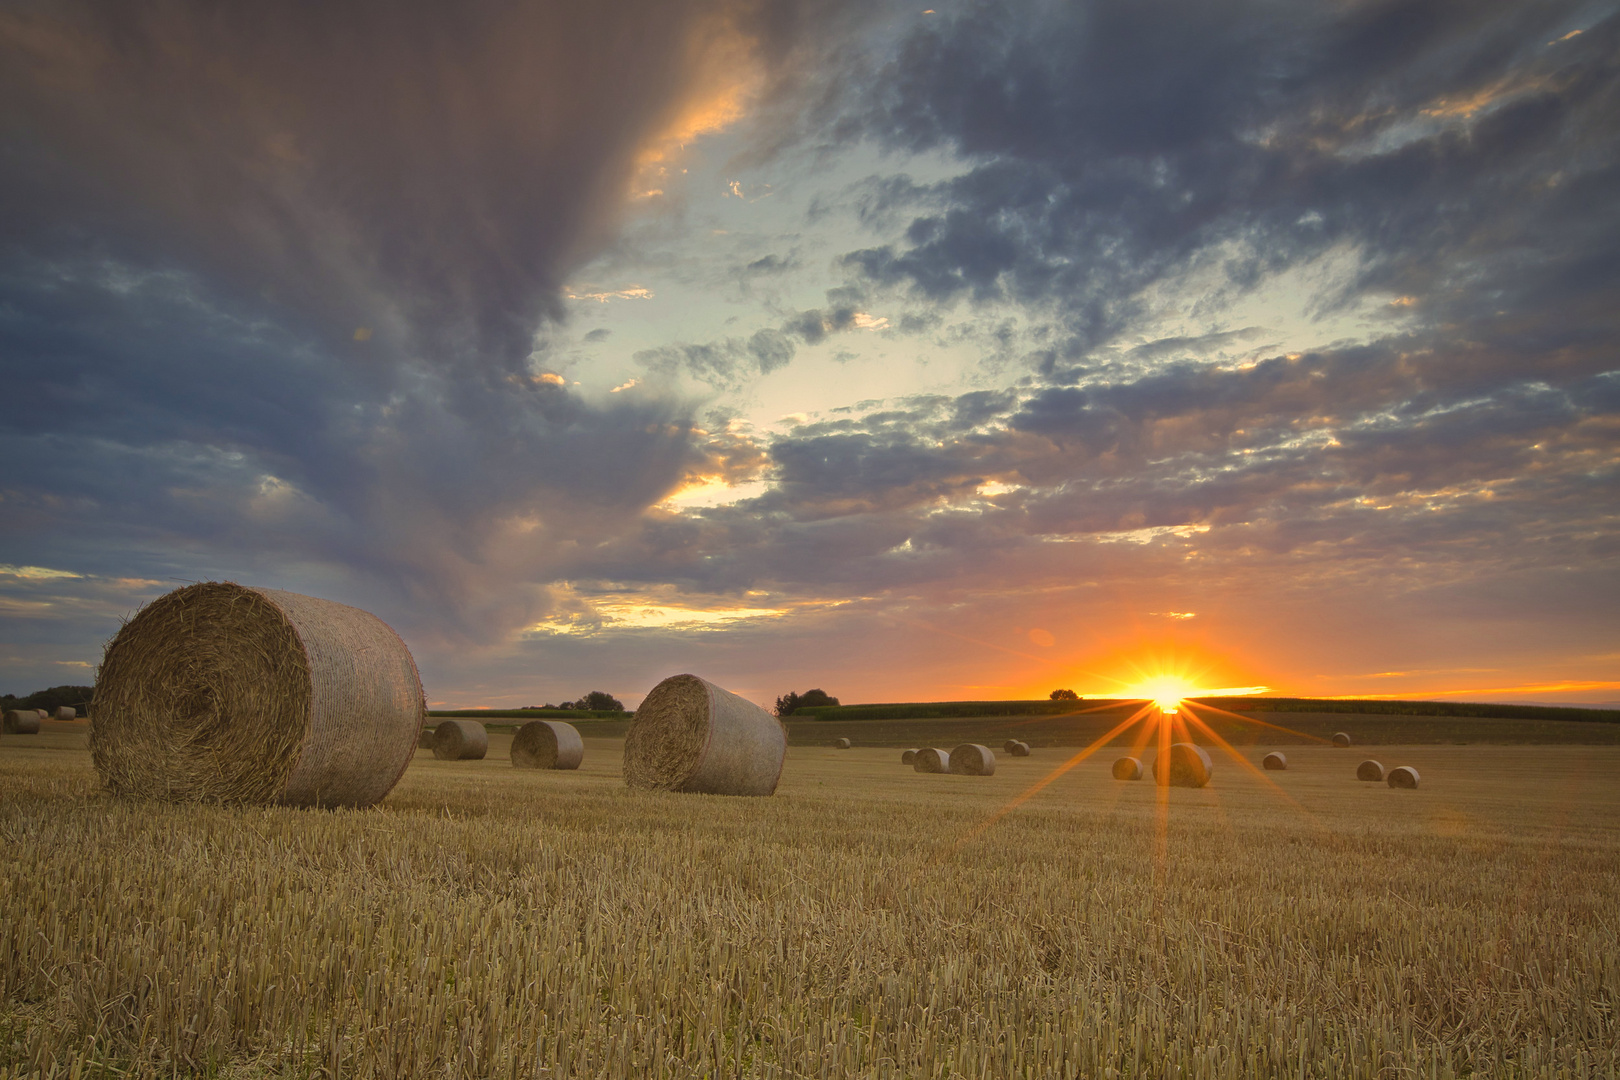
(1370, 770)
(22, 722)
(1341, 739)
(1403, 776)
(1188, 766)
(691, 735)
(547, 744)
(909, 757)
(67, 712)
(973, 759)
(460, 740)
(221, 693)
(842, 744)
(1127, 768)
(932, 759)
(1276, 760)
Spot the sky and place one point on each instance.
(910, 353)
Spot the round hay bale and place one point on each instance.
(1370, 770)
(1341, 739)
(1020, 748)
(909, 757)
(547, 744)
(842, 744)
(1189, 766)
(691, 735)
(1403, 776)
(22, 722)
(67, 712)
(43, 714)
(1127, 768)
(227, 694)
(1276, 761)
(1007, 747)
(460, 740)
(973, 759)
(931, 759)
(424, 739)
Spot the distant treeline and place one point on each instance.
(1414, 708)
(533, 714)
(52, 699)
(930, 710)
(937, 710)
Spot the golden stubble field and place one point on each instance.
(865, 921)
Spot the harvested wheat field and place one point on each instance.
(866, 921)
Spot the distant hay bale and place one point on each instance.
(1188, 766)
(931, 759)
(909, 757)
(1275, 761)
(547, 744)
(424, 740)
(842, 744)
(221, 693)
(1007, 747)
(67, 712)
(1127, 768)
(22, 722)
(1370, 770)
(1403, 776)
(1020, 748)
(42, 714)
(460, 740)
(691, 735)
(1341, 739)
(973, 759)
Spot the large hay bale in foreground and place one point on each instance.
(221, 693)
(460, 740)
(1276, 761)
(1403, 776)
(1370, 771)
(973, 759)
(842, 744)
(932, 759)
(1341, 739)
(691, 735)
(909, 757)
(22, 722)
(547, 744)
(1127, 768)
(1188, 766)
